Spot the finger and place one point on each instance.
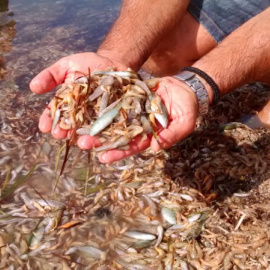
(59, 133)
(50, 77)
(45, 126)
(171, 135)
(45, 121)
(136, 146)
(88, 142)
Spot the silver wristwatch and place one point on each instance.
(198, 88)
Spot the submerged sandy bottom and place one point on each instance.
(214, 184)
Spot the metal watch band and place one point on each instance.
(198, 88)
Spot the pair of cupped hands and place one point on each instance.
(180, 101)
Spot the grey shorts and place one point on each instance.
(221, 17)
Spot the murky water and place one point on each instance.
(49, 30)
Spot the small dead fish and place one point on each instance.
(133, 131)
(70, 224)
(104, 103)
(103, 121)
(82, 80)
(110, 107)
(112, 145)
(184, 265)
(137, 105)
(168, 215)
(98, 92)
(160, 111)
(230, 126)
(146, 124)
(160, 235)
(140, 235)
(107, 81)
(83, 131)
(194, 217)
(177, 226)
(89, 250)
(142, 244)
(37, 237)
(186, 197)
(143, 86)
(133, 265)
(121, 74)
(56, 118)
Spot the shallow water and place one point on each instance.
(49, 30)
(33, 35)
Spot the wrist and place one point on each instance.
(196, 85)
(119, 58)
(113, 57)
(190, 96)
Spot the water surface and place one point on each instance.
(49, 30)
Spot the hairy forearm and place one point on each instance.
(139, 28)
(243, 57)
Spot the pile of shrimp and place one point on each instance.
(114, 106)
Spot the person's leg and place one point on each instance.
(205, 24)
(182, 46)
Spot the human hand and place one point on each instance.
(64, 71)
(182, 107)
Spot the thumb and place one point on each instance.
(50, 77)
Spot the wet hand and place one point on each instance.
(182, 108)
(65, 71)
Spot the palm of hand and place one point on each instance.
(66, 70)
(182, 107)
(181, 104)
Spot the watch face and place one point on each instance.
(185, 75)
